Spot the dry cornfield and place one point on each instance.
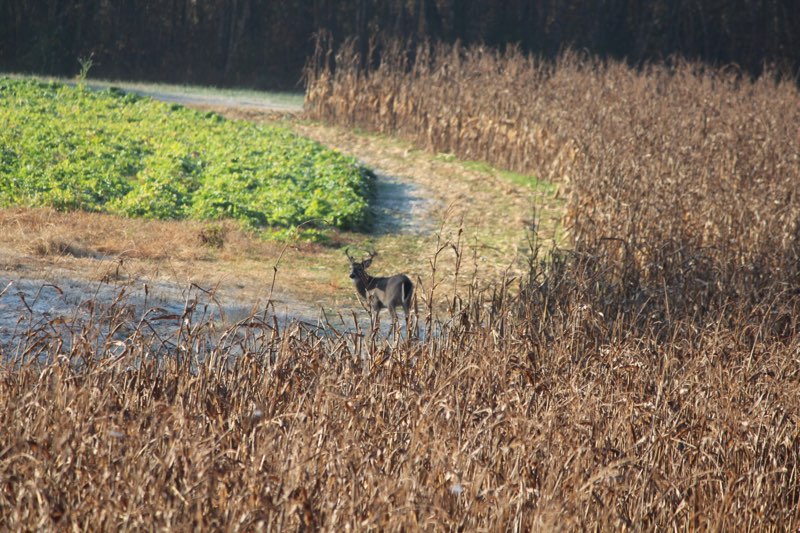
(648, 378)
(540, 410)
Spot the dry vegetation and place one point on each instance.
(524, 412)
(45, 232)
(699, 159)
(649, 378)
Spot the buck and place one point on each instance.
(379, 292)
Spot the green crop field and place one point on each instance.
(73, 148)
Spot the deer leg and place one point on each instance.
(393, 312)
(376, 320)
(376, 313)
(405, 315)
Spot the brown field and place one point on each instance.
(647, 378)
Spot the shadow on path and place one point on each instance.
(400, 207)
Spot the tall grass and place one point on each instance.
(526, 410)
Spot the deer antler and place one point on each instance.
(347, 253)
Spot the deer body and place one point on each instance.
(381, 292)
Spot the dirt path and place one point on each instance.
(239, 102)
(266, 103)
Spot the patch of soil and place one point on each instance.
(63, 304)
(62, 298)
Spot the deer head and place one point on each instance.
(358, 269)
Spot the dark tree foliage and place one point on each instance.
(264, 43)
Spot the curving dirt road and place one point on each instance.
(422, 202)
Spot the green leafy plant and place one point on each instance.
(114, 152)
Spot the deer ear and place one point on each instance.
(367, 263)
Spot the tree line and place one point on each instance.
(265, 43)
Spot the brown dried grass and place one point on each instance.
(46, 232)
(526, 411)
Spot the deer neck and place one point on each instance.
(363, 284)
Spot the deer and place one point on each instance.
(380, 292)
